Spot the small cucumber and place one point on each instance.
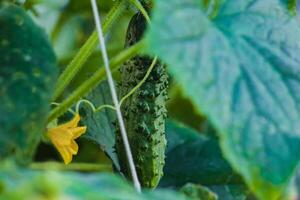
(27, 73)
(144, 112)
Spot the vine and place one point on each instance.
(94, 80)
(86, 50)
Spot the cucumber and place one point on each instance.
(27, 73)
(144, 112)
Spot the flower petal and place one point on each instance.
(65, 154)
(78, 131)
(63, 137)
(60, 136)
(73, 148)
(71, 124)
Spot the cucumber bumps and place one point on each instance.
(144, 112)
(27, 73)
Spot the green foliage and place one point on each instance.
(241, 69)
(201, 160)
(144, 112)
(201, 163)
(27, 184)
(27, 72)
(100, 127)
(178, 134)
(232, 192)
(198, 192)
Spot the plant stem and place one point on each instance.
(86, 50)
(92, 82)
(88, 167)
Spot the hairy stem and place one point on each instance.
(92, 82)
(86, 50)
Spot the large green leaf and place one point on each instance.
(26, 184)
(201, 163)
(100, 127)
(27, 72)
(201, 160)
(241, 69)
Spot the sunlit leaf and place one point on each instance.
(241, 69)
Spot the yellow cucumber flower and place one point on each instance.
(63, 137)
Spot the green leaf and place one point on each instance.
(200, 157)
(198, 192)
(100, 127)
(231, 192)
(28, 184)
(178, 134)
(241, 69)
(27, 73)
(203, 164)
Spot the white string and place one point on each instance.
(114, 96)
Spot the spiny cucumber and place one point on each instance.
(27, 72)
(144, 112)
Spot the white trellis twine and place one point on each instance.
(136, 182)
